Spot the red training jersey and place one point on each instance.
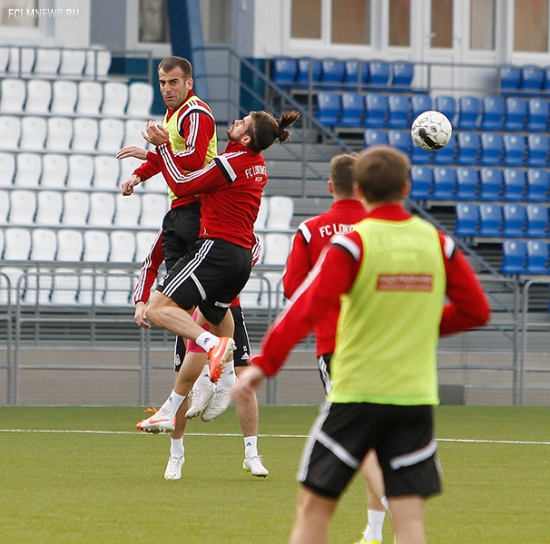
(312, 236)
(230, 186)
(334, 275)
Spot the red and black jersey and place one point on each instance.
(312, 236)
(230, 186)
(197, 126)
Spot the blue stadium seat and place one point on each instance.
(537, 114)
(421, 103)
(444, 185)
(467, 182)
(532, 78)
(398, 111)
(490, 187)
(376, 110)
(469, 144)
(421, 182)
(332, 74)
(492, 144)
(538, 147)
(402, 75)
(514, 256)
(514, 184)
(514, 149)
(353, 107)
(538, 184)
(375, 136)
(510, 78)
(446, 155)
(467, 219)
(447, 106)
(490, 220)
(284, 72)
(515, 113)
(356, 74)
(419, 155)
(515, 219)
(379, 74)
(469, 108)
(492, 113)
(328, 108)
(401, 139)
(537, 221)
(537, 257)
(303, 74)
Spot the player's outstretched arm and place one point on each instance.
(132, 151)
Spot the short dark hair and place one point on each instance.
(341, 173)
(381, 173)
(265, 129)
(169, 63)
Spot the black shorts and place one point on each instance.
(343, 434)
(180, 232)
(209, 277)
(241, 355)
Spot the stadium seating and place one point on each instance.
(59, 135)
(28, 171)
(328, 108)
(467, 220)
(127, 211)
(39, 96)
(106, 173)
(447, 106)
(115, 99)
(111, 135)
(65, 94)
(538, 185)
(532, 78)
(43, 246)
(401, 139)
(514, 220)
(421, 182)
(468, 147)
(90, 96)
(72, 62)
(102, 209)
(492, 113)
(469, 109)
(7, 169)
(80, 172)
(356, 74)
(140, 99)
(376, 110)
(514, 149)
(398, 111)
(490, 220)
(538, 147)
(537, 221)
(491, 183)
(96, 246)
(444, 183)
(514, 256)
(281, 209)
(492, 144)
(353, 107)
(514, 184)
(445, 155)
(332, 74)
(284, 72)
(76, 205)
(309, 73)
(420, 103)
(47, 61)
(123, 247)
(54, 171)
(467, 182)
(402, 75)
(49, 208)
(33, 133)
(22, 207)
(85, 134)
(537, 257)
(537, 114)
(510, 78)
(379, 74)
(515, 113)
(375, 136)
(13, 92)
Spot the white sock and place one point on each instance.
(251, 446)
(374, 526)
(171, 404)
(203, 381)
(176, 447)
(207, 341)
(228, 377)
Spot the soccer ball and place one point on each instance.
(431, 130)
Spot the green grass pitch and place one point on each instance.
(106, 485)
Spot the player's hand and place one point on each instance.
(139, 316)
(155, 134)
(249, 379)
(129, 184)
(132, 151)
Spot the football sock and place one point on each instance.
(176, 447)
(203, 381)
(250, 446)
(374, 526)
(171, 404)
(207, 341)
(228, 377)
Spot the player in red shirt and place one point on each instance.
(217, 270)
(313, 236)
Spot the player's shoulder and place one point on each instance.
(351, 243)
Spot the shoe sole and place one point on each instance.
(155, 430)
(217, 371)
(169, 477)
(199, 412)
(256, 475)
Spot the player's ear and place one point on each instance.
(406, 189)
(330, 186)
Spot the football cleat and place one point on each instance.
(199, 399)
(218, 404)
(173, 468)
(255, 466)
(219, 355)
(363, 541)
(157, 424)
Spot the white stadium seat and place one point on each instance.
(7, 169)
(111, 134)
(102, 210)
(76, 206)
(96, 246)
(144, 242)
(85, 133)
(13, 93)
(153, 209)
(119, 288)
(98, 62)
(54, 171)
(127, 166)
(28, 171)
(39, 96)
(90, 95)
(22, 207)
(4, 59)
(47, 61)
(43, 245)
(10, 133)
(259, 224)
(64, 97)
(33, 133)
(69, 245)
(81, 170)
(60, 135)
(140, 100)
(132, 133)
(4, 207)
(277, 247)
(115, 98)
(21, 60)
(17, 244)
(49, 208)
(106, 173)
(72, 62)
(281, 209)
(128, 209)
(123, 247)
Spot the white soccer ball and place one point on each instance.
(431, 130)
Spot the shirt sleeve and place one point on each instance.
(467, 306)
(206, 180)
(149, 271)
(298, 265)
(332, 275)
(149, 168)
